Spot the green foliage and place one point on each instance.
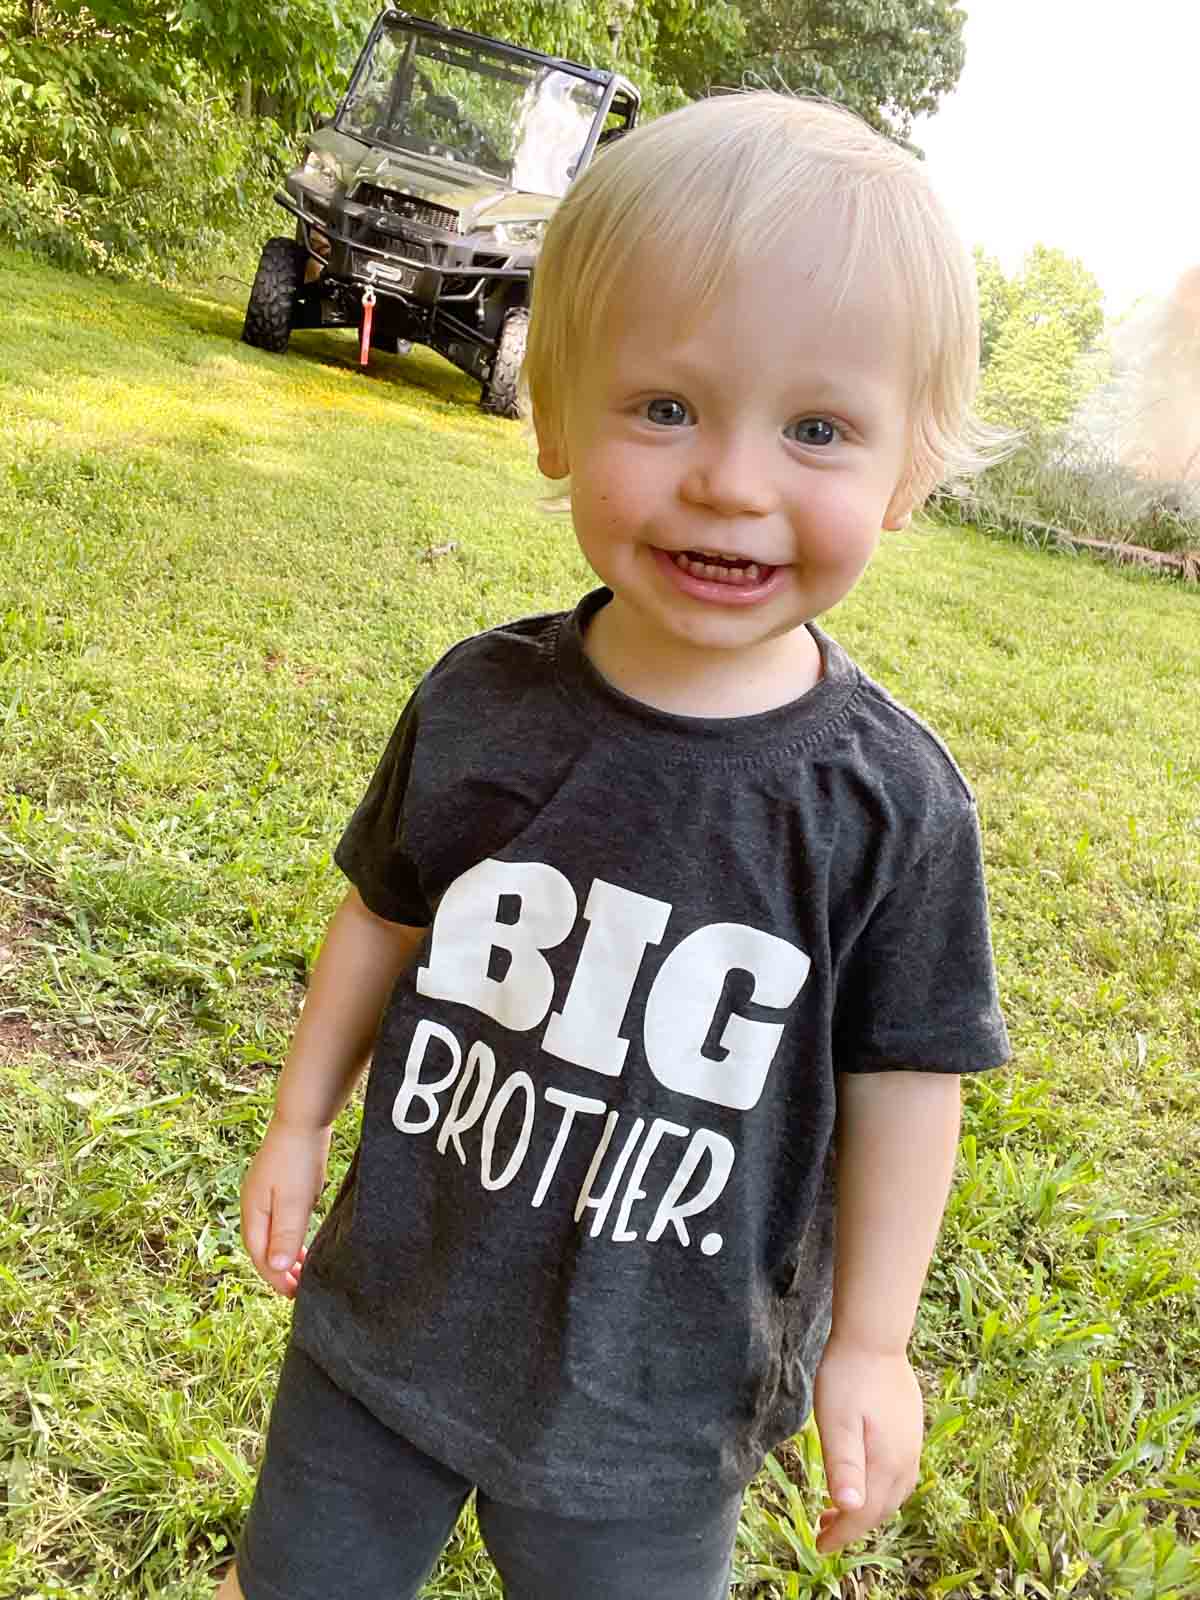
(117, 146)
(1043, 356)
(1039, 333)
(287, 48)
(995, 299)
(192, 188)
(293, 50)
(126, 135)
(1055, 287)
(696, 43)
(638, 39)
(887, 60)
(1031, 377)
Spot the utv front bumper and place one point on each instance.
(434, 287)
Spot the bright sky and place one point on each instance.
(1075, 124)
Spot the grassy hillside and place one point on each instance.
(220, 573)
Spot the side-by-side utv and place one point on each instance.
(422, 202)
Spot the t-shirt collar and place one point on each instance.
(783, 727)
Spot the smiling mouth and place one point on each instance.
(721, 568)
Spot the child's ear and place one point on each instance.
(552, 451)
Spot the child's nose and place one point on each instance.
(730, 476)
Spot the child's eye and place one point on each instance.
(812, 430)
(668, 413)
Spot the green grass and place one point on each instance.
(215, 591)
(1054, 483)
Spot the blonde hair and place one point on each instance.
(714, 186)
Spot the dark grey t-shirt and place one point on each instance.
(584, 1252)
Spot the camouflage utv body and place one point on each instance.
(425, 197)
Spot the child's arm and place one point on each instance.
(897, 1134)
(360, 960)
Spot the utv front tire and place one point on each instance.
(272, 301)
(500, 391)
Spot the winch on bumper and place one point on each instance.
(433, 286)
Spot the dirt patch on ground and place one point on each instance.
(32, 1029)
(17, 1038)
(28, 911)
(23, 1037)
(25, 911)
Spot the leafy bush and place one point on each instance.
(206, 192)
(120, 148)
(107, 163)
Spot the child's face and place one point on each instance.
(730, 475)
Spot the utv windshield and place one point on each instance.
(520, 122)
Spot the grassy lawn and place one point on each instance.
(220, 573)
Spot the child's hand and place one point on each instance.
(870, 1417)
(278, 1194)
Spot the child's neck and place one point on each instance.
(693, 681)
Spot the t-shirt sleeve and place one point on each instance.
(372, 852)
(918, 988)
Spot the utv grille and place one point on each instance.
(408, 207)
(399, 243)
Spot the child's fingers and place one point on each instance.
(844, 1449)
(889, 1487)
(292, 1275)
(256, 1227)
(838, 1528)
(289, 1219)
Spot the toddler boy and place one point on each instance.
(667, 936)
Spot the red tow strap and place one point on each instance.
(364, 347)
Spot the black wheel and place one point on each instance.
(272, 303)
(500, 391)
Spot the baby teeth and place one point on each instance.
(737, 576)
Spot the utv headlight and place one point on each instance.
(319, 164)
(520, 232)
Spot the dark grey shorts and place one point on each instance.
(345, 1509)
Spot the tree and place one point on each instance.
(1039, 336)
(1058, 288)
(1030, 380)
(645, 39)
(117, 143)
(889, 60)
(995, 302)
(288, 49)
